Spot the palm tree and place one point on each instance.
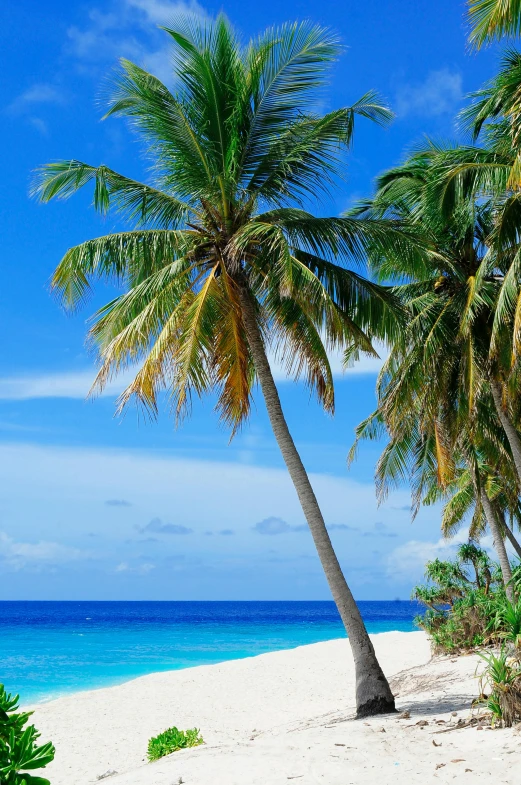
(493, 19)
(461, 501)
(223, 260)
(492, 172)
(436, 390)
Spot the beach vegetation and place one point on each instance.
(172, 740)
(500, 684)
(467, 606)
(224, 267)
(445, 395)
(20, 752)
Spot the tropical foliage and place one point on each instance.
(466, 603)
(501, 688)
(172, 740)
(493, 19)
(20, 753)
(442, 391)
(224, 213)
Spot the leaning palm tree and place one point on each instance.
(436, 390)
(223, 262)
(492, 173)
(493, 19)
(461, 502)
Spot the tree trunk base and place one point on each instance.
(375, 706)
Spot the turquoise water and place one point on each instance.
(48, 649)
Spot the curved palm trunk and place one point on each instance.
(373, 694)
(499, 544)
(512, 435)
(508, 531)
(513, 540)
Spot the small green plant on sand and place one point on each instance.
(501, 688)
(19, 752)
(172, 740)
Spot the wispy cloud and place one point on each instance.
(40, 125)
(162, 12)
(138, 569)
(156, 526)
(129, 28)
(379, 530)
(438, 94)
(76, 384)
(72, 384)
(17, 555)
(118, 503)
(273, 526)
(407, 561)
(45, 486)
(36, 95)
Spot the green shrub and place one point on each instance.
(502, 677)
(466, 603)
(19, 752)
(172, 740)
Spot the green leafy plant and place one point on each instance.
(466, 602)
(508, 622)
(172, 740)
(502, 676)
(19, 751)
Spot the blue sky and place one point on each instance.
(103, 508)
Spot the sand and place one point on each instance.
(284, 717)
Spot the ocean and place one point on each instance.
(48, 649)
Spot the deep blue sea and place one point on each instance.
(48, 649)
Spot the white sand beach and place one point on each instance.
(285, 716)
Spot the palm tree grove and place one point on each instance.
(228, 277)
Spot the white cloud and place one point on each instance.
(161, 483)
(76, 384)
(140, 569)
(407, 561)
(73, 384)
(130, 29)
(366, 365)
(51, 493)
(272, 526)
(156, 526)
(18, 555)
(37, 94)
(161, 12)
(438, 94)
(40, 125)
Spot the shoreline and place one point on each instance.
(32, 705)
(279, 716)
(183, 653)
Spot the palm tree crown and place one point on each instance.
(235, 153)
